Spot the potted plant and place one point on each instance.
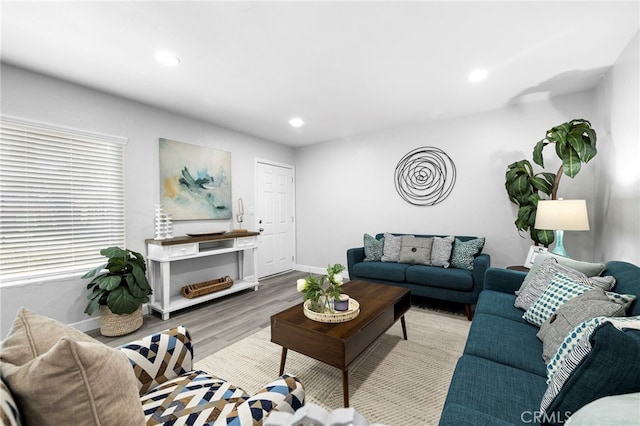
(321, 297)
(118, 288)
(575, 143)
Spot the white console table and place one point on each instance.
(160, 254)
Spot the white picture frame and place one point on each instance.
(534, 251)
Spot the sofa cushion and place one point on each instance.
(415, 250)
(628, 281)
(441, 251)
(373, 248)
(499, 304)
(534, 285)
(464, 252)
(32, 335)
(459, 415)
(76, 383)
(604, 363)
(507, 342)
(590, 269)
(192, 395)
(593, 303)
(387, 271)
(454, 279)
(495, 389)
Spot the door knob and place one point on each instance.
(261, 229)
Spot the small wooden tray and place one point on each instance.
(194, 290)
(333, 316)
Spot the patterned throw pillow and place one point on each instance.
(9, 413)
(573, 353)
(544, 275)
(590, 269)
(441, 251)
(372, 248)
(561, 290)
(464, 252)
(590, 304)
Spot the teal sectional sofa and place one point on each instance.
(501, 377)
(450, 284)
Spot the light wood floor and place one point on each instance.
(221, 322)
(216, 324)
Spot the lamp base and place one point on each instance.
(559, 248)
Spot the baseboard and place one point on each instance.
(93, 323)
(317, 270)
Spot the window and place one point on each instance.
(61, 199)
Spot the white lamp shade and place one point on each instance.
(565, 215)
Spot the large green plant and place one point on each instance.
(575, 143)
(121, 283)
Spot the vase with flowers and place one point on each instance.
(322, 291)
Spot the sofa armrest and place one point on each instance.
(481, 263)
(354, 255)
(503, 280)
(160, 357)
(284, 394)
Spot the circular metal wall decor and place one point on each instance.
(425, 176)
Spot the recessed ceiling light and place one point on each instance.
(167, 58)
(296, 122)
(478, 75)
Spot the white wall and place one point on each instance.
(617, 219)
(346, 188)
(36, 97)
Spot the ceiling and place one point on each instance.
(345, 68)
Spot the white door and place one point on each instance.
(275, 218)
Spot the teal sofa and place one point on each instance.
(501, 377)
(450, 284)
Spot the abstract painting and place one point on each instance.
(195, 181)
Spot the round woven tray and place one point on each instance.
(333, 316)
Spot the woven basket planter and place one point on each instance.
(118, 325)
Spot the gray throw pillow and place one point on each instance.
(441, 251)
(590, 304)
(415, 250)
(391, 250)
(372, 248)
(590, 269)
(544, 276)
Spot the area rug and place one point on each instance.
(394, 382)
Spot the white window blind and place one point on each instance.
(61, 199)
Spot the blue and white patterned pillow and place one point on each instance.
(575, 348)
(561, 290)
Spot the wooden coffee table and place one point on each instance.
(340, 344)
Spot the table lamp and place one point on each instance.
(559, 216)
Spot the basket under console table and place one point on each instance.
(160, 254)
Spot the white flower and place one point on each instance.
(337, 279)
(301, 284)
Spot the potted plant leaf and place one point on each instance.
(575, 143)
(118, 288)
